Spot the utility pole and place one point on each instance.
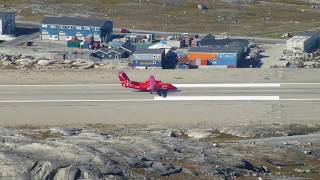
(9, 29)
(230, 29)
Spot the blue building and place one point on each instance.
(64, 28)
(7, 22)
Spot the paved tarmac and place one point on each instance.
(215, 105)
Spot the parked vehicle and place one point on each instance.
(124, 31)
(183, 66)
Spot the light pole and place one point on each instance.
(9, 29)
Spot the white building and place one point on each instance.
(7, 23)
(305, 42)
(166, 47)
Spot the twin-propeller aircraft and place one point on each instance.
(151, 85)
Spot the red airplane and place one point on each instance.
(151, 85)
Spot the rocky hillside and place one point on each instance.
(122, 152)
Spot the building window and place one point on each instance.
(78, 27)
(69, 27)
(44, 25)
(86, 28)
(78, 34)
(53, 26)
(61, 33)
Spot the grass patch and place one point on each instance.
(33, 18)
(41, 135)
(92, 2)
(297, 129)
(8, 2)
(222, 137)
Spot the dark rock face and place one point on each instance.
(164, 169)
(248, 166)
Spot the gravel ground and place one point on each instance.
(271, 55)
(173, 76)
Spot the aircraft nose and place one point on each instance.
(172, 87)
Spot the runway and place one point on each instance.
(193, 104)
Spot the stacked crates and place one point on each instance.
(87, 43)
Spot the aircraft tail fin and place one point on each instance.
(124, 79)
(151, 83)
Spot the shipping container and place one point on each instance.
(86, 46)
(73, 44)
(199, 62)
(74, 38)
(142, 45)
(95, 45)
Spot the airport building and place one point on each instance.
(7, 23)
(145, 58)
(65, 28)
(224, 53)
(215, 57)
(305, 42)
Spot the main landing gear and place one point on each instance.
(162, 92)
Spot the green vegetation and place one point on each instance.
(99, 2)
(297, 129)
(268, 18)
(5, 2)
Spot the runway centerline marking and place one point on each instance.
(74, 100)
(218, 98)
(315, 99)
(228, 85)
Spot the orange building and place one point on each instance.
(200, 56)
(214, 56)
